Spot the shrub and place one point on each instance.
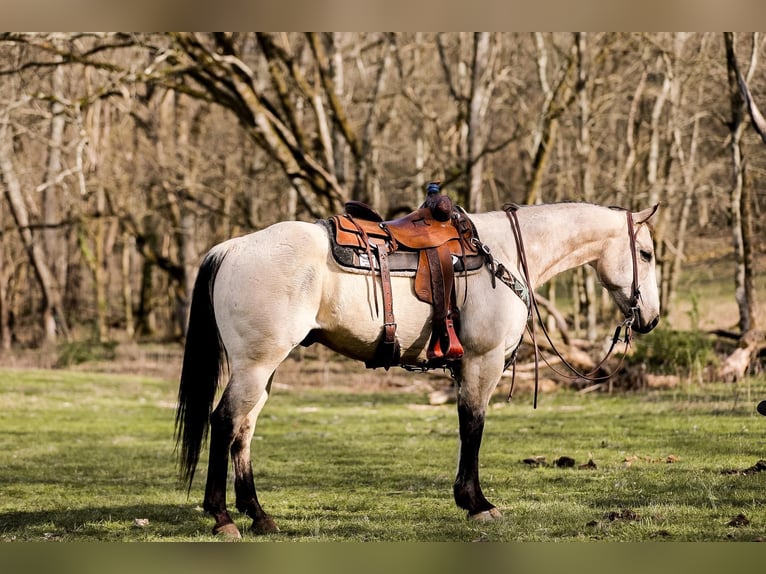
(77, 352)
(672, 352)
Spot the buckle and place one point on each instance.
(631, 316)
(482, 246)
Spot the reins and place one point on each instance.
(630, 317)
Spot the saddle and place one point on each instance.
(439, 237)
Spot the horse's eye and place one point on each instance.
(646, 255)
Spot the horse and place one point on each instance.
(258, 296)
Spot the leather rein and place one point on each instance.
(630, 316)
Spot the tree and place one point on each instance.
(741, 193)
(53, 318)
(134, 153)
(751, 340)
(557, 100)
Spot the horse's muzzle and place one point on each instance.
(641, 327)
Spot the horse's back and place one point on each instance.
(282, 239)
(269, 284)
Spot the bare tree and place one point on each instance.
(53, 318)
(686, 157)
(751, 340)
(741, 194)
(133, 153)
(558, 97)
(6, 272)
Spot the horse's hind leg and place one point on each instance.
(221, 431)
(232, 424)
(244, 483)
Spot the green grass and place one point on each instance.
(83, 455)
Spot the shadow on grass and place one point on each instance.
(132, 522)
(174, 523)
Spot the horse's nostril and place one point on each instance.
(646, 327)
(651, 325)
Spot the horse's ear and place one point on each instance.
(640, 217)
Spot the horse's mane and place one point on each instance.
(513, 205)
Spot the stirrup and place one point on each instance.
(452, 348)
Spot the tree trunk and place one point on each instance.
(741, 194)
(146, 319)
(630, 140)
(92, 232)
(585, 155)
(128, 245)
(688, 166)
(5, 327)
(53, 319)
(653, 163)
(557, 100)
(182, 123)
(477, 107)
(51, 195)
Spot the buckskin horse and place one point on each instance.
(258, 296)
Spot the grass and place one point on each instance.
(84, 455)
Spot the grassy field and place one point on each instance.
(89, 457)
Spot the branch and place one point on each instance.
(759, 122)
(339, 114)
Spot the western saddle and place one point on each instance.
(438, 236)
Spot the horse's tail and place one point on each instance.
(204, 357)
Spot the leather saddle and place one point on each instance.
(438, 236)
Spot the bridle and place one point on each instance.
(627, 324)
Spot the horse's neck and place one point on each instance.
(556, 237)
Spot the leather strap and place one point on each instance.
(388, 352)
(444, 344)
(510, 211)
(440, 285)
(367, 247)
(389, 323)
(635, 292)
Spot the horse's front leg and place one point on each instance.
(477, 380)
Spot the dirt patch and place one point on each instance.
(340, 374)
(625, 514)
(759, 466)
(316, 367)
(738, 521)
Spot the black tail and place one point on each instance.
(203, 362)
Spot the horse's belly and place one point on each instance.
(352, 316)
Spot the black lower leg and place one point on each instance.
(215, 488)
(247, 499)
(467, 490)
(244, 483)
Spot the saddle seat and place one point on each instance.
(439, 234)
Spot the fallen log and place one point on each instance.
(738, 363)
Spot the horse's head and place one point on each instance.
(627, 270)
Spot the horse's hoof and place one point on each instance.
(228, 530)
(264, 526)
(486, 515)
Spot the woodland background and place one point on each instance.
(124, 157)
